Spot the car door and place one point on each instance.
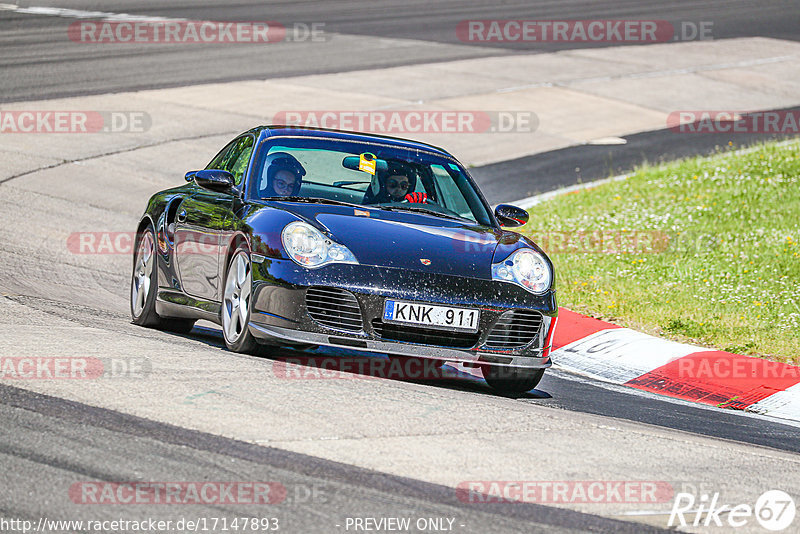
(204, 222)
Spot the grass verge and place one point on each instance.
(703, 250)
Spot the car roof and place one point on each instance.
(280, 130)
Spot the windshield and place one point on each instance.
(365, 174)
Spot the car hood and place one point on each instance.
(414, 242)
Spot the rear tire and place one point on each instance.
(511, 379)
(144, 286)
(144, 280)
(236, 303)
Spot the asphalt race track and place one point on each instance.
(152, 448)
(359, 447)
(35, 65)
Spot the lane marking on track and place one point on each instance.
(81, 14)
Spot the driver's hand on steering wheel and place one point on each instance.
(417, 198)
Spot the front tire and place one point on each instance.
(236, 303)
(512, 380)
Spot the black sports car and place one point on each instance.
(309, 237)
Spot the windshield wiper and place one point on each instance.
(346, 183)
(419, 209)
(315, 200)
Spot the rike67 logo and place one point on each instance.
(774, 510)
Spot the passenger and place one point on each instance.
(393, 185)
(284, 176)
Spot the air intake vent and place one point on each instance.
(514, 329)
(424, 336)
(334, 308)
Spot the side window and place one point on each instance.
(234, 158)
(450, 195)
(239, 158)
(216, 163)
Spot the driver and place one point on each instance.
(393, 185)
(284, 176)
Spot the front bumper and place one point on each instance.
(280, 313)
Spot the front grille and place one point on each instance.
(514, 329)
(334, 308)
(424, 336)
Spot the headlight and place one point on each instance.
(525, 267)
(308, 247)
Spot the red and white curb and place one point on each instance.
(607, 352)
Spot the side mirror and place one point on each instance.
(508, 215)
(213, 179)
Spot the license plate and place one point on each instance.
(430, 315)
